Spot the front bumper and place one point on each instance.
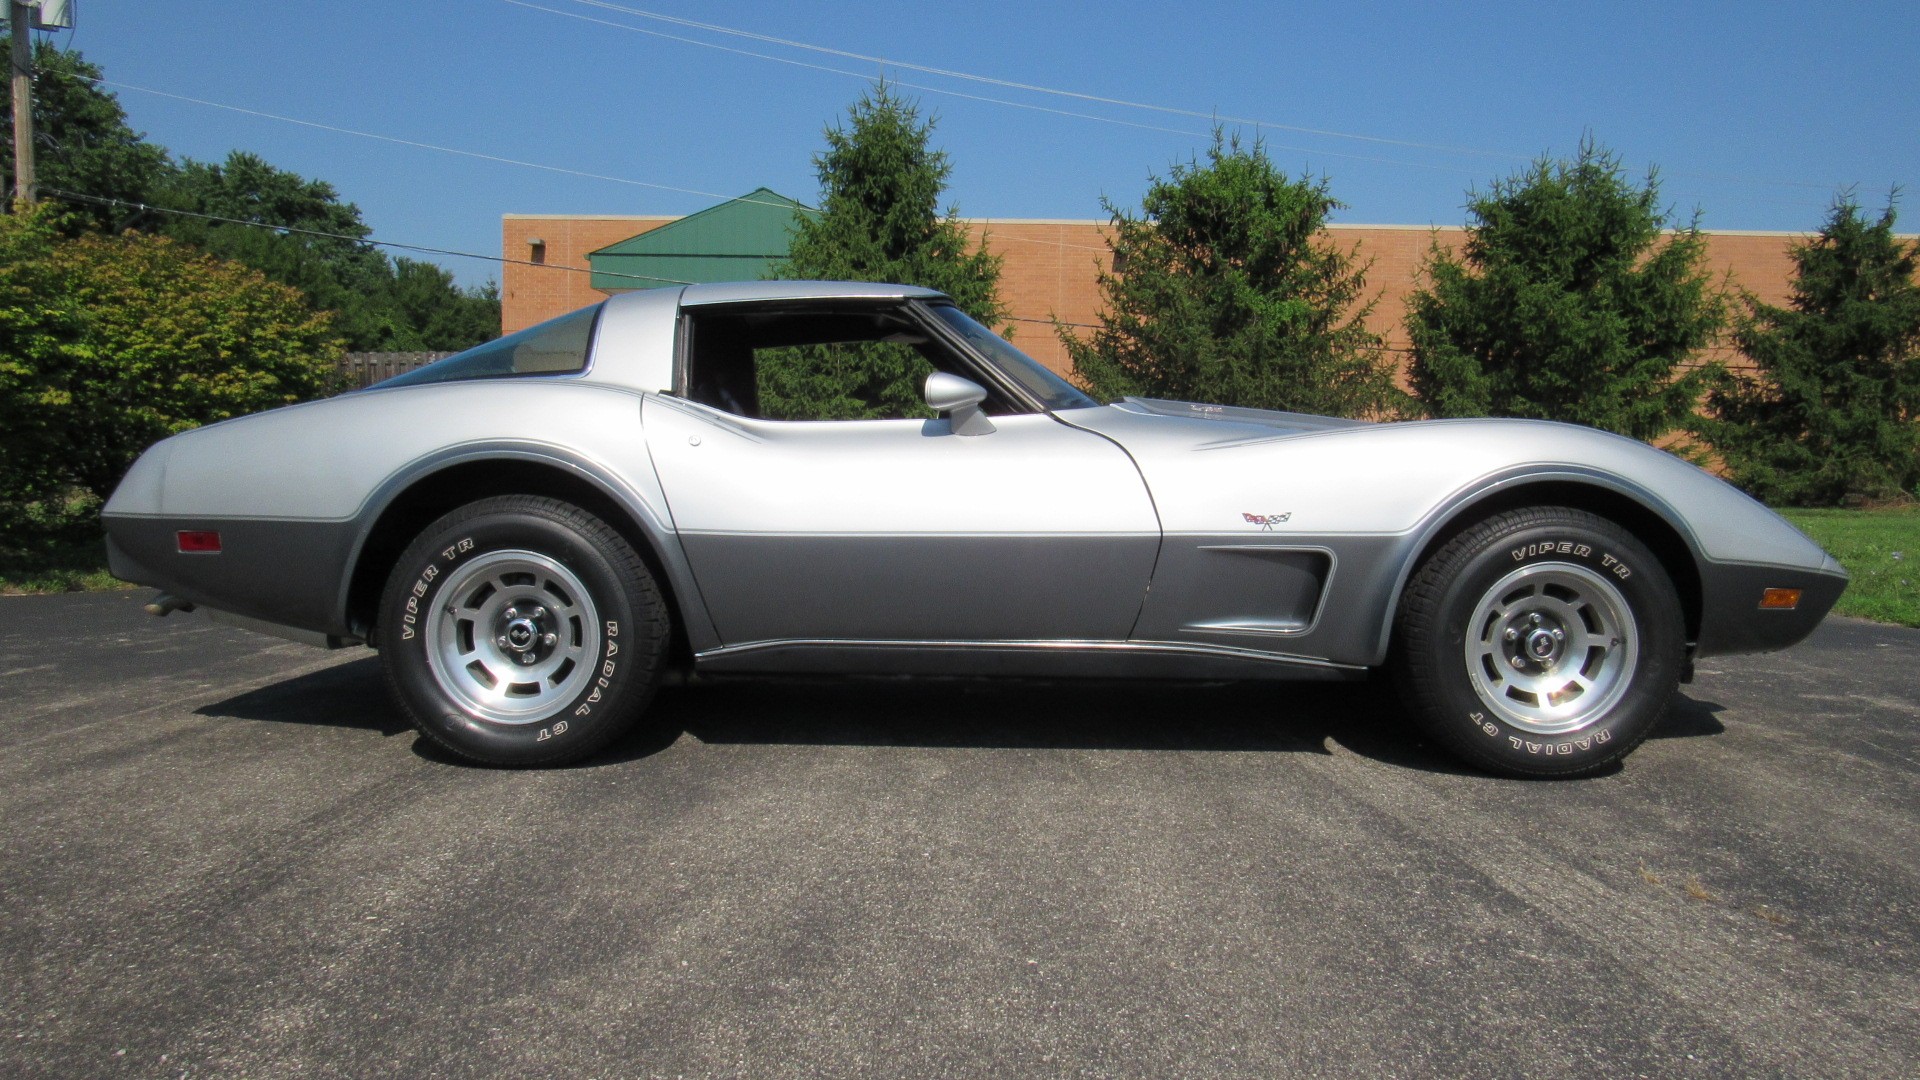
(1732, 620)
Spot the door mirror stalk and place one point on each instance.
(957, 400)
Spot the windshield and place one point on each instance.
(1036, 378)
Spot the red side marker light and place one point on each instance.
(1780, 599)
(200, 542)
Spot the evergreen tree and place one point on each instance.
(1565, 303)
(1226, 289)
(879, 220)
(1831, 405)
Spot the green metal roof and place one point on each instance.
(739, 240)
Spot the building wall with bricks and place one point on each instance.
(1050, 269)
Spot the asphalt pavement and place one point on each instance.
(224, 855)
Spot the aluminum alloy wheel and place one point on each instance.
(1551, 647)
(514, 638)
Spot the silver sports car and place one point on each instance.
(539, 531)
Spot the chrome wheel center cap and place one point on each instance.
(522, 633)
(1541, 645)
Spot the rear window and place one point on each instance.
(555, 347)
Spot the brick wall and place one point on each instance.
(1049, 269)
(534, 294)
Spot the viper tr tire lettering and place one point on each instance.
(1541, 642)
(522, 631)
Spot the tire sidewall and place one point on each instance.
(1642, 582)
(415, 592)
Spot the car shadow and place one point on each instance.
(1690, 718)
(350, 695)
(1365, 718)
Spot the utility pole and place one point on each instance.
(23, 179)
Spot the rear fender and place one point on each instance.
(637, 498)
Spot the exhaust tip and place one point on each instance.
(164, 604)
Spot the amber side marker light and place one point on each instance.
(1780, 599)
(199, 543)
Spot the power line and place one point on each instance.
(1029, 87)
(838, 71)
(957, 94)
(1053, 322)
(75, 196)
(106, 201)
(842, 71)
(1035, 88)
(491, 157)
(412, 143)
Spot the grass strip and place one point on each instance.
(80, 567)
(1881, 549)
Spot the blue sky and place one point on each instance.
(1755, 113)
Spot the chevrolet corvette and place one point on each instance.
(538, 532)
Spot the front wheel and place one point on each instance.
(521, 631)
(1544, 641)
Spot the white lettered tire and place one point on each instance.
(521, 630)
(1544, 641)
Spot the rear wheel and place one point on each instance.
(522, 631)
(1545, 641)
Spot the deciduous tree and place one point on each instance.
(42, 335)
(379, 305)
(82, 141)
(108, 344)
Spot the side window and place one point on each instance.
(848, 363)
(555, 347)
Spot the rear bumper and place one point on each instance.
(284, 573)
(1732, 620)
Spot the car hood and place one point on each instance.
(1208, 466)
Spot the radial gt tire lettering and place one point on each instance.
(1542, 642)
(521, 630)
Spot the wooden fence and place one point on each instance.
(367, 368)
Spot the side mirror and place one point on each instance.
(958, 401)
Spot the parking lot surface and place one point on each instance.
(226, 855)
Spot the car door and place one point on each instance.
(901, 530)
